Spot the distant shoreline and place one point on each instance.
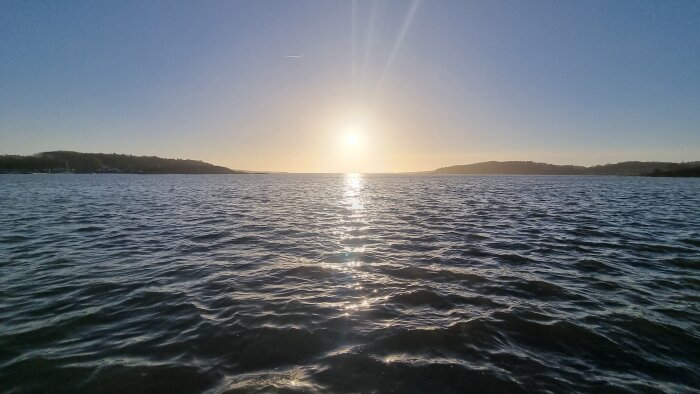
(68, 162)
(428, 173)
(132, 173)
(628, 168)
(62, 162)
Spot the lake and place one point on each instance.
(349, 283)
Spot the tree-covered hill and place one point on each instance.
(66, 161)
(512, 167)
(532, 168)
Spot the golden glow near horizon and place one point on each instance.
(333, 137)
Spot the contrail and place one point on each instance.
(408, 19)
(292, 56)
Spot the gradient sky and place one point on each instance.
(279, 85)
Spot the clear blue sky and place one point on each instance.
(280, 85)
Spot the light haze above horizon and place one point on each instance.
(353, 86)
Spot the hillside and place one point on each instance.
(512, 167)
(534, 168)
(77, 162)
(693, 171)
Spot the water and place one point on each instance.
(355, 283)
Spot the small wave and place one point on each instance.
(210, 237)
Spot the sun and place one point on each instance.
(352, 138)
(353, 133)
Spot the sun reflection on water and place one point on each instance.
(353, 222)
(352, 229)
(354, 183)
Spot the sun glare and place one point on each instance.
(353, 136)
(352, 139)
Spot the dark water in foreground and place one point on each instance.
(119, 283)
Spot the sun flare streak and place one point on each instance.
(408, 20)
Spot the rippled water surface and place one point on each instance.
(348, 283)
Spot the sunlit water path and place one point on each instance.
(357, 283)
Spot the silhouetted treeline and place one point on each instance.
(679, 172)
(638, 167)
(533, 168)
(512, 167)
(66, 161)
